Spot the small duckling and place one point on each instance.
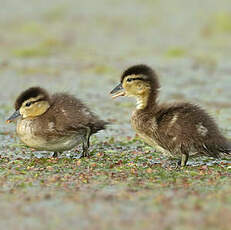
(174, 129)
(54, 123)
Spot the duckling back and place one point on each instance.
(73, 113)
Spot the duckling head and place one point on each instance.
(32, 102)
(138, 81)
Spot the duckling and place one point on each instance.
(55, 122)
(179, 129)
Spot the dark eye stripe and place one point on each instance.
(32, 102)
(41, 99)
(136, 78)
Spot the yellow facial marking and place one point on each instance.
(34, 107)
(135, 86)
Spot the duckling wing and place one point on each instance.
(171, 130)
(71, 115)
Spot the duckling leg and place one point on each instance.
(86, 142)
(55, 154)
(184, 159)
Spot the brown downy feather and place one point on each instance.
(183, 126)
(72, 114)
(180, 128)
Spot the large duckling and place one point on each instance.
(176, 129)
(55, 123)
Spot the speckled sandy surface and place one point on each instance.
(82, 47)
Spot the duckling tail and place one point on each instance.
(226, 148)
(100, 125)
(216, 149)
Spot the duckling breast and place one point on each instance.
(146, 128)
(25, 130)
(33, 135)
(152, 133)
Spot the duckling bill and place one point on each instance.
(55, 122)
(179, 129)
(13, 117)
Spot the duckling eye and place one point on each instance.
(28, 104)
(129, 79)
